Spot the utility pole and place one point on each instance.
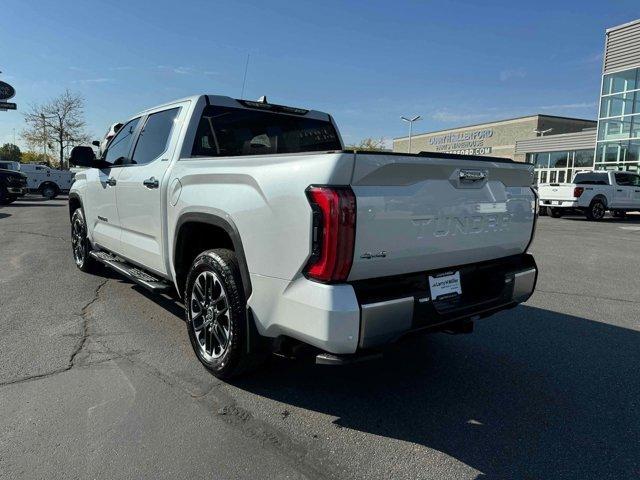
(44, 136)
(410, 122)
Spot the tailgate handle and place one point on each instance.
(472, 175)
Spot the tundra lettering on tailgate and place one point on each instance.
(443, 225)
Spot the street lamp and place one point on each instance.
(410, 122)
(542, 132)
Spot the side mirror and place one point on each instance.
(82, 157)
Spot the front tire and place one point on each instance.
(216, 313)
(596, 210)
(80, 243)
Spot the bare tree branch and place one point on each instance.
(57, 124)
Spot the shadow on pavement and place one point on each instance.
(629, 219)
(532, 394)
(4, 215)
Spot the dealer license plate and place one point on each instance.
(445, 285)
(555, 202)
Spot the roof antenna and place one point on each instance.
(263, 99)
(244, 80)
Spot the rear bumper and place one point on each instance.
(384, 321)
(362, 315)
(559, 203)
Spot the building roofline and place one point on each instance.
(624, 25)
(495, 121)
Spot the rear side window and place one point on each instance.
(227, 131)
(591, 179)
(154, 137)
(119, 146)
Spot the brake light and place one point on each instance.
(333, 233)
(577, 191)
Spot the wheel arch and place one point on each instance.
(198, 231)
(74, 203)
(601, 197)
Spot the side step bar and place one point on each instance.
(134, 274)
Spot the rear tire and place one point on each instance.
(80, 243)
(216, 311)
(596, 210)
(555, 212)
(49, 192)
(619, 214)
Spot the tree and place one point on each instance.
(35, 157)
(57, 124)
(370, 144)
(10, 152)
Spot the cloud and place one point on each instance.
(454, 117)
(594, 58)
(512, 73)
(568, 106)
(93, 80)
(177, 70)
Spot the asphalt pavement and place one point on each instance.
(98, 379)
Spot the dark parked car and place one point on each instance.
(12, 185)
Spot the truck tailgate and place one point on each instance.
(556, 191)
(416, 213)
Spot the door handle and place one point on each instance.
(111, 182)
(619, 190)
(151, 182)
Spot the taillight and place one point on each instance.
(577, 191)
(333, 233)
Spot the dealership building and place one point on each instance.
(560, 146)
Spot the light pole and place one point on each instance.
(410, 122)
(542, 132)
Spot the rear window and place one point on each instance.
(591, 179)
(228, 131)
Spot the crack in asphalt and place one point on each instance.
(214, 399)
(25, 232)
(77, 349)
(596, 297)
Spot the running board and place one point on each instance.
(134, 274)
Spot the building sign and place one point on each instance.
(6, 91)
(469, 142)
(7, 106)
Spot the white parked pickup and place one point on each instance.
(277, 238)
(593, 193)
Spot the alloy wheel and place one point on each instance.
(210, 315)
(78, 233)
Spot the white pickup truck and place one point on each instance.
(593, 193)
(278, 239)
(48, 182)
(42, 179)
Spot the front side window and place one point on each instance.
(154, 136)
(119, 146)
(623, 179)
(227, 131)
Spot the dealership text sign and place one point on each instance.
(469, 142)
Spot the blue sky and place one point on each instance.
(366, 62)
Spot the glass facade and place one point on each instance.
(559, 167)
(618, 145)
